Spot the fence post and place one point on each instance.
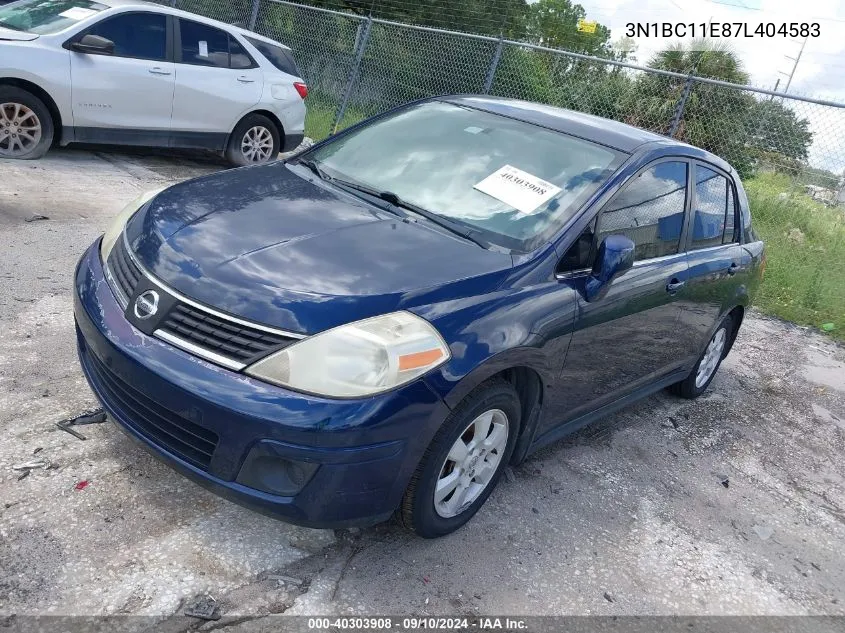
(174, 3)
(363, 37)
(494, 64)
(679, 107)
(253, 18)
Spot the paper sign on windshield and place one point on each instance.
(518, 188)
(77, 13)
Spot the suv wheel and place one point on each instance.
(255, 140)
(463, 464)
(705, 369)
(26, 127)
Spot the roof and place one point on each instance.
(605, 131)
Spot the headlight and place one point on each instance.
(357, 359)
(120, 220)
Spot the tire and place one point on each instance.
(697, 382)
(429, 517)
(26, 125)
(252, 131)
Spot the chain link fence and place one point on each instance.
(790, 150)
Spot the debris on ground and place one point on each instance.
(94, 417)
(38, 450)
(725, 481)
(81, 485)
(38, 463)
(763, 531)
(28, 467)
(509, 475)
(608, 596)
(204, 608)
(286, 580)
(35, 217)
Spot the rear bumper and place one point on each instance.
(213, 425)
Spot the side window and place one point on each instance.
(649, 210)
(137, 35)
(276, 55)
(731, 223)
(203, 45)
(579, 255)
(238, 57)
(709, 226)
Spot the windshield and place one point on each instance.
(46, 16)
(514, 182)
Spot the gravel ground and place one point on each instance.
(732, 504)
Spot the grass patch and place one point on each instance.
(320, 115)
(805, 247)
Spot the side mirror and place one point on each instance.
(93, 44)
(615, 256)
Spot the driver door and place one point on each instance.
(628, 338)
(125, 97)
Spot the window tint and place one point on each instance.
(709, 226)
(731, 234)
(276, 55)
(238, 57)
(650, 210)
(203, 45)
(139, 35)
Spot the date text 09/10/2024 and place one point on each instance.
(417, 624)
(696, 30)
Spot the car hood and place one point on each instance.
(17, 36)
(268, 245)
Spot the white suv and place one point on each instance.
(135, 73)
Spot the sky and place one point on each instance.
(820, 72)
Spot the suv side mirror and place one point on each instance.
(615, 256)
(93, 44)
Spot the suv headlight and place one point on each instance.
(358, 359)
(120, 220)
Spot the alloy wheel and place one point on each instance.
(471, 463)
(711, 358)
(257, 144)
(20, 129)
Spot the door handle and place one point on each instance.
(733, 269)
(673, 286)
(159, 71)
(246, 80)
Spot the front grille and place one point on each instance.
(175, 434)
(237, 341)
(123, 268)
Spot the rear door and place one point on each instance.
(629, 337)
(217, 81)
(125, 97)
(718, 265)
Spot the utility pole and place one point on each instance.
(794, 65)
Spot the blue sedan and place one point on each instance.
(384, 322)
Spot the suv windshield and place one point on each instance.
(515, 183)
(46, 16)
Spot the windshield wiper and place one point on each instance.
(453, 227)
(314, 167)
(397, 203)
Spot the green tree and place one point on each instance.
(715, 118)
(776, 128)
(554, 23)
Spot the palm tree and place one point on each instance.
(714, 117)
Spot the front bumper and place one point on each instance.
(204, 420)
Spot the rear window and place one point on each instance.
(47, 16)
(276, 55)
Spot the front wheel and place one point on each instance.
(464, 461)
(255, 140)
(26, 127)
(705, 369)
